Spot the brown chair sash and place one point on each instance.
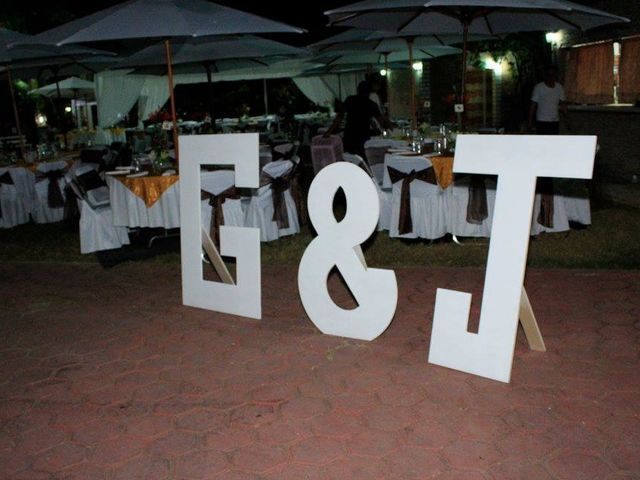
(545, 188)
(477, 209)
(405, 222)
(298, 198)
(278, 185)
(55, 198)
(217, 216)
(5, 179)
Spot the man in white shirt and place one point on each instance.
(547, 100)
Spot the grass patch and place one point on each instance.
(611, 242)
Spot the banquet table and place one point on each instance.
(442, 166)
(145, 202)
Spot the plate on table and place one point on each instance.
(138, 175)
(408, 153)
(117, 172)
(398, 150)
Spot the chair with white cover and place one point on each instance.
(425, 213)
(14, 207)
(265, 155)
(375, 155)
(284, 150)
(384, 195)
(48, 202)
(97, 231)
(220, 204)
(575, 195)
(471, 200)
(325, 151)
(549, 211)
(272, 208)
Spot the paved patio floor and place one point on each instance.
(104, 375)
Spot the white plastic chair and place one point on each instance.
(97, 231)
(384, 195)
(13, 205)
(576, 199)
(428, 204)
(261, 210)
(457, 203)
(41, 211)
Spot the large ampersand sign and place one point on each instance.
(338, 243)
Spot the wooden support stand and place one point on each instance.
(216, 260)
(530, 324)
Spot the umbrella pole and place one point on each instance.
(413, 85)
(266, 96)
(172, 100)
(465, 38)
(339, 88)
(23, 149)
(60, 110)
(207, 66)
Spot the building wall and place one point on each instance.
(618, 131)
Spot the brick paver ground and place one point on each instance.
(104, 375)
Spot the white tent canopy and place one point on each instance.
(117, 91)
(71, 87)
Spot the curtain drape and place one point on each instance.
(589, 74)
(629, 91)
(324, 90)
(116, 94)
(316, 90)
(153, 95)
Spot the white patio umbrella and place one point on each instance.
(14, 56)
(356, 39)
(215, 54)
(469, 17)
(361, 46)
(70, 87)
(161, 19)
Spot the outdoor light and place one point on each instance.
(554, 38)
(67, 109)
(417, 66)
(41, 120)
(383, 72)
(491, 64)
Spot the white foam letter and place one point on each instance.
(517, 160)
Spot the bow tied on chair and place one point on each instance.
(545, 188)
(55, 198)
(477, 209)
(217, 216)
(5, 179)
(405, 222)
(279, 185)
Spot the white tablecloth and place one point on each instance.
(129, 210)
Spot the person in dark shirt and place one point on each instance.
(359, 110)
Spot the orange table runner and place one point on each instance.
(149, 188)
(443, 168)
